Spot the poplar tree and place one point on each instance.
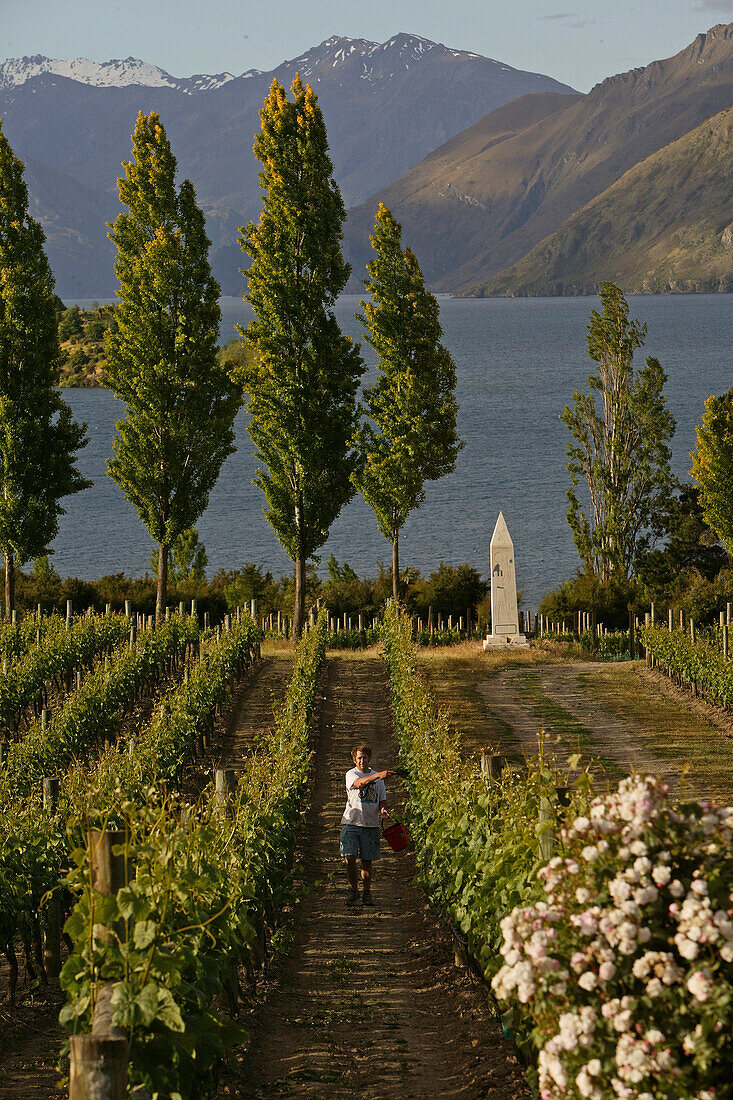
(712, 466)
(621, 428)
(303, 379)
(38, 436)
(413, 407)
(162, 356)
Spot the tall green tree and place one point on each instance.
(303, 380)
(712, 466)
(38, 436)
(162, 356)
(621, 429)
(413, 437)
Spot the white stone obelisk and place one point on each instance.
(504, 616)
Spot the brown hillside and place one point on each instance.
(666, 225)
(474, 207)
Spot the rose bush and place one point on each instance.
(624, 970)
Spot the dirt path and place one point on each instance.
(622, 715)
(368, 1002)
(251, 712)
(576, 720)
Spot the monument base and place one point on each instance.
(505, 641)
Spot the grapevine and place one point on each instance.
(47, 663)
(205, 878)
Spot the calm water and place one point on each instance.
(518, 363)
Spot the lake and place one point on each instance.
(518, 362)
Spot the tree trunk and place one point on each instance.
(396, 566)
(299, 609)
(162, 592)
(9, 584)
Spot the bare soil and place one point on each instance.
(30, 1045)
(623, 716)
(251, 713)
(368, 1001)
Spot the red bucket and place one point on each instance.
(396, 836)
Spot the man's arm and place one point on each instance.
(365, 780)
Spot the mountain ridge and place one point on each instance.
(471, 209)
(679, 239)
(385, 107)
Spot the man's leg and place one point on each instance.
(351, 872)
(366, 876)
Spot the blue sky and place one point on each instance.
(577, 41)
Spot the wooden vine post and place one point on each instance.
(492, 765)
(547, 837)
(225, 785)
(225, 788)
(52, 931)
(98, 1062)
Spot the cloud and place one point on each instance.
(715, 5)
(579, 21)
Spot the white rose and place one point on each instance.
(700, 985)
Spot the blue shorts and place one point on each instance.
(357, 840)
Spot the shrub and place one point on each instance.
(624, 971)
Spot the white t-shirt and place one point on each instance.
(362, 804)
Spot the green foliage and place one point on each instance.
(412, 435)
(621, 429)
(202, 879)
(46, 580)
(344, 592)
(33, 845)
(691, 548)
(92, 713)
(609, 599)
(303, 378)
(235, 357)
(700, 662)
(352, 638)
(611, 646)
(56, 655)
(187, 561)
(70, 324)
(162, 361)
(451, 589)
(38, 437)
(476, 845)
(82, 334)
(712, 466)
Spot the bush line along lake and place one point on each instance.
(518, 362)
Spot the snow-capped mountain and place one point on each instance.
(378, 60)
(105, 74)
(386, 105)
(375, 60)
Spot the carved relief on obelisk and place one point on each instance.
(504, 615)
